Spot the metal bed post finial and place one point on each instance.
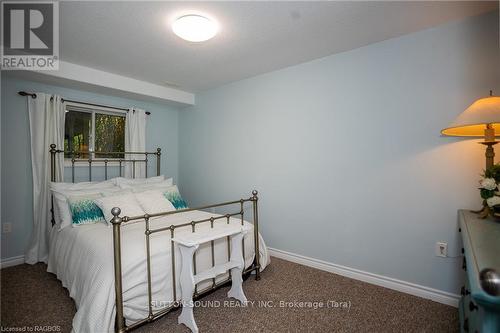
(255, 199)
(158, 158)
(117, 221)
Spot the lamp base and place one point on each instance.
(484, 212)
(490, 161)
(490, 152)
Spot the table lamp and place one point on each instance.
(481, 119)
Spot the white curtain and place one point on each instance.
(46, 115)
(135, 141)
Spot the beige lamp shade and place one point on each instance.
(474, 120)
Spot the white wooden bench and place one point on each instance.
(188, 244)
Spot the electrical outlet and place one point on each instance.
(441, 249)
(6, 228)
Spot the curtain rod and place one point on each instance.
(33, 95)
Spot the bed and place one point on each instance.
(125, 274)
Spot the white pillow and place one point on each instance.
(145, 187)
(171, 193)
(153, 201)
(107, 192)
(62, 212)
(126, 202)
(57, 215)
(138, 181)
(82, 186)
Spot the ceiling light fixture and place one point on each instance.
(194, 28)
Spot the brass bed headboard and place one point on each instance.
(108, 162)
(116, 162)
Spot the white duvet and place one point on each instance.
(82, 258)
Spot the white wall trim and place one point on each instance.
(133, 87)
(379, 280)
(14, 261)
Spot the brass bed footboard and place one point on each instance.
(120, 324)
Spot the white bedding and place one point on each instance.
(82, 258)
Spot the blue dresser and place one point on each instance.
(479, 307)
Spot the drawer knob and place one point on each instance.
(490, 281)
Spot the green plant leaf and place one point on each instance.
(486, 194)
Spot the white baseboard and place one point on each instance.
(379, 280)
(14, 261)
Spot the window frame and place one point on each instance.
(81, 107)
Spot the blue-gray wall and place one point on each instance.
(17, 198)
(346, 150)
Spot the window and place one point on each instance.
(93, 130)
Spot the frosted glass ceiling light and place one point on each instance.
(194, 28)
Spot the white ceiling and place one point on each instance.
(134, 39)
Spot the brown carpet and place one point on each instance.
(31, 296)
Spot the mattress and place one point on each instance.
(82, 258)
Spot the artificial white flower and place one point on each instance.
(493, 201)
(488, 184)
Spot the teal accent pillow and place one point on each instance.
(172, 194)
(84, 210)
